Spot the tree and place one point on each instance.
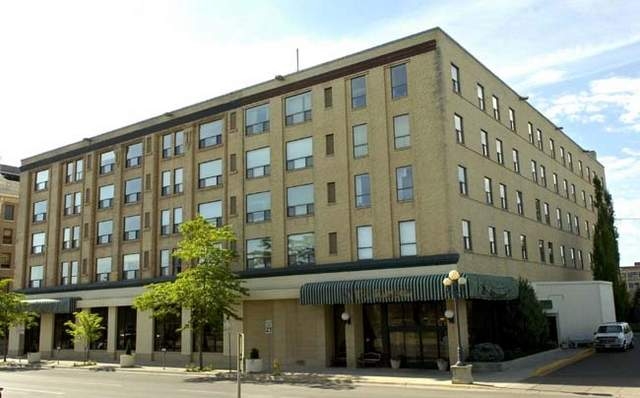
(85, 330)
(606, 255)
(13, 312)
(207, 287)
(525, 323)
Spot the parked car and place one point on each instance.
(613, 335)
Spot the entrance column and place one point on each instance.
(186, 336)
(452, 332)
(112, 331)
(144, 336)
(354, 334)
(16, 341)
(46, 334)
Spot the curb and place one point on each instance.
(561, 363)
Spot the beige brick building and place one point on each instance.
(9, 188)
(631, 277)
(352, 186)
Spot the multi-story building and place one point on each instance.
(9, 188)
(352, 186)
(631, 277)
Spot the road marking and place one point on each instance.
(8, 389)
(205, 392)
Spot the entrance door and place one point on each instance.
(552, 321)
(339, 338)
(32, 337)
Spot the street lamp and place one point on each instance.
(455, 281)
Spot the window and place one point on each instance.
(506, 235)
(404, 183)
(298, 108)
(484, 143)
(547, 216)
(480, 91)
(363, 191)
(570, 161)
(516, 160)
(72, 203)
(499, 154)
(105, 196)
(358, 92)
(523, 247)
(178, 184)
(131, 228)
(259, 162)
(40, 211)
(165, 188)
(530, 132)
(107, 162)
(333, 243)
(259, 207)
(573, 192)
(562, 158)
(543, 176)
(580, 169)
(408, 246)
(534, 171)
(299, 154)
(165, 262)
(328, 97)
(538, 210)
(178, 148)
(399, 86)
(167, 146)
(36, 277)
(365, 242)
(257, 119)
(495, 102)
(462, 180)
(210, 173)
(8, 211)
(580, 259)
(7, 236)
(42, 180)
(455, 78)
(165, 222)
(212, 212)
(569, 225)
(130, 266)
(552, 148)
(573, 257)
(301, 249)
(565, 188)
(576, 224)
(457, 122)
(493, 249)
(519, 203)
(74, 171)
(134, 155)
(132, 190)
(488, 192)
(539, 139)
(559, 218)
(587, 229)
(259, 253)
(512, 119)
(555, 183)
(503, 197)
(210, 134)
(466, 235)
(401, 131)
(360, 141)
(300, 200)
(38, 242)
(331, 192)
(103, 269)
(584, 198)
(69, 273)
(329, 144)
(563, 255)
(5, 260)
(105, 232)
(177, 219)
(66, 238)
(541, 251)
(550, 252)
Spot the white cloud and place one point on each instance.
(541, 78)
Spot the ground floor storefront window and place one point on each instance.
(127, 318)
(101, 342)
(167, 333)
(61, 338)
(32, 337)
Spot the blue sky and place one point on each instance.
(76, 69)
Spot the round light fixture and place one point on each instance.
(345, 316)
(462, 281)
(454, 275)
(447, 282)
(448, 314)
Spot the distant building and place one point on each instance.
(9, 188)
(631, 276)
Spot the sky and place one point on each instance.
(75, 69)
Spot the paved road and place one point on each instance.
(85, 383)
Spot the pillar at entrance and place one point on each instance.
(16, 341)
(354, 334)
(186, 336)
(144, 336)
(452, 332)
(112, 331)
(46, 334)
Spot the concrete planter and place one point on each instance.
(254, 365)
(442, 364)
(127, 361)
(395, 364)
(461, 374)
(33, 357)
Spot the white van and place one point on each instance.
(613, 335)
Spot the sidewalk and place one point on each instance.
(508, 379)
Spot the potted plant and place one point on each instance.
(254, 363)
(442, 364)
(127, 360)
(396, 361)
(33, 357)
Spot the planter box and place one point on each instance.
(33, 357)
(254, 365)
(127, 361)
(395, 364)
(461, 374)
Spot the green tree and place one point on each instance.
(606, 255)
(207, 287)
(86, 329)
(525, 323)
(13, 312)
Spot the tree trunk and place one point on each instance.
(200, 344)
(6, 344)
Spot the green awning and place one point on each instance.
(407, 289)
(63, 305)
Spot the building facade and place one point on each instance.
(631, 277)
(9, 187)
(352, 187)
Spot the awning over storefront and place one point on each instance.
(407, 289)
(63, 305)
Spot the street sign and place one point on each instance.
(268, 326)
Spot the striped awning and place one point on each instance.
(64, 305)
(407, 289)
